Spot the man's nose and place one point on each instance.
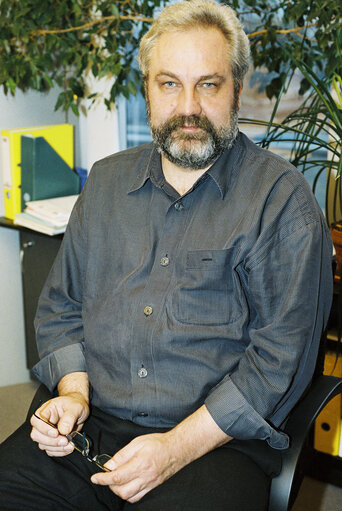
(189, 102)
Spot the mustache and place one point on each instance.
(179, 121)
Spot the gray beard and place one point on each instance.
(194, 151)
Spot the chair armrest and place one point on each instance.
(283, 491)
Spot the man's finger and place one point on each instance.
(132, 492)
(48, 412)
(105, 478)
(53, 453)
(41, 438)
(138, 496)
(43, 427)
(126, 486)
(67, 422)
(61, 450)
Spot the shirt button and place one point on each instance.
(142, 414)
(165, 261)
(148, 310)
(142, 373)
(179, 206)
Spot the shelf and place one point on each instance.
(9, 224)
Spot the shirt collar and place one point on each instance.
(221, 172)
(147, 168)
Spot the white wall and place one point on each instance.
(99, 138)
(12, 336)
(99, 131)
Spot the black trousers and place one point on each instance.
(224, 479)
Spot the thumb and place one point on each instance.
(67, 422)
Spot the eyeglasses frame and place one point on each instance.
(82, 443)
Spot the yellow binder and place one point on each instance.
(59, 136)
(328, 423)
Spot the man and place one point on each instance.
(189, 296)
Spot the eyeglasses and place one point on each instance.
(82, 443)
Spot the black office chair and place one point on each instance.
(299, 457)
(284, 487)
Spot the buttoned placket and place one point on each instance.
(159, 279)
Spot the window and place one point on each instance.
(134, 128)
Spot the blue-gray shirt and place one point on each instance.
(169, 302)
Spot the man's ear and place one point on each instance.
(145, 84)
(239, 97)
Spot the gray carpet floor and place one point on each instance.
(15, 401)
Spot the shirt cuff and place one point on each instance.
(53, 367)
(238, 419)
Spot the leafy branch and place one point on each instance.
(282, 31)
(91, 24)
(150, 20)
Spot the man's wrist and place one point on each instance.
(75, 385)
(194, 437)
(79, 396)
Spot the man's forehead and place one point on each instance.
(205, 50)
(195, 34)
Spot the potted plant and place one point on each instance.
(314, 133)
(47, 43)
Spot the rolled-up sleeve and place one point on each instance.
(237, 418)
(288, 286)
(51, 368)
(58, 322)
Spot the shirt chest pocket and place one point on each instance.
(207, 292)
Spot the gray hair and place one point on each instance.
(190, 14)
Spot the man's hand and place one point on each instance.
(149, 460)
(65, 413)
(139, 467)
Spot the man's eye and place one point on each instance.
(209, 85)
(169, 84)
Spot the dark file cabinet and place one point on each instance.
(37, 253)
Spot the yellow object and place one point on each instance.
(59, 136)
(328, 423)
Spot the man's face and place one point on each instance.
(190, 98)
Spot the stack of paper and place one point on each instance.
(49, 216)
